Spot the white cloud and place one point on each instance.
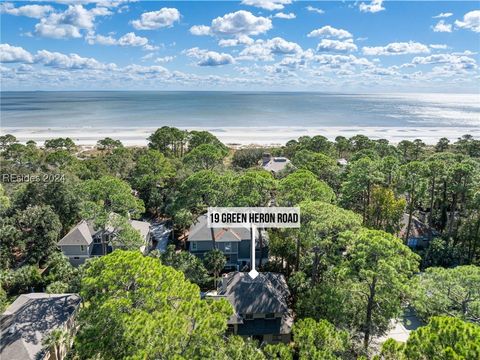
(264, 50)
(71, 61)
(12, 54)
(164, 59)
(129, 39)
(471, 21)
(282, 15)
(441, 26)
(209, 58)
(443, 15)
(328, 45)
(438, 46)
(454, 61)
(329, 31)
(315, 10)
(68, 24)
(234, 24)
(373, 7)
(399, 48)
(31, 11)
(267, 4)
(152, 20)
(240, 40)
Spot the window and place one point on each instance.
(270, 316)
(248, 317)
(82, 248)
(193, 245)
(228, 247)
(277, 337)
(76, 258)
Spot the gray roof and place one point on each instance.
(142, 226)
(201, 232)
(29, 318)
(265, 294)
(81, 234)
(276, 164)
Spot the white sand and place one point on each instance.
(244, 135)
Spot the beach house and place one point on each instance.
(260, 306)
(83, 241)
(30, 318)
(235, 243)
(420, 233)
(274, 164)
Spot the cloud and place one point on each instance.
(164, 59)
(68, 24)
(31, 11)
(13, 54)
(329, 31)
(399, 48)
(465, 61)
(129, 39)
(374, 6)
(438, 46)
(152, 20)
(282, 15)
(209, 58)
(240, 40)
(267, 4)
(234, 24)
(442, 15)
(471, 21)
(315, 10)
(71, 61)
(441, 26)
(328, 45)
(264, 50)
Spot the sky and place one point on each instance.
(271, 45)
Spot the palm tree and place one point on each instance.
(55, 340)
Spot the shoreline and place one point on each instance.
(241, 136)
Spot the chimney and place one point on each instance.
(266, 157)
(224, 283)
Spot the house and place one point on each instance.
(28, 320)
(420, 233)
(235, 243)
(84, 242)
(260, 306)
(274, 164)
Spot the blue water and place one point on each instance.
(236, 109)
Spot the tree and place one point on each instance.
(442, 145)
(4, 200)
(442, 338)
(246, 158)
(197, 138)
(342, 144)
(253, 188)
(125, 236)
(7, 140)
(451, 292)
(414, 185)
(215, 261)
(319, 340)
(204, 157)
(186, 262)
(323, 166)
(385, 211)
(135, 307)
(300, 186)
(56, 339)
(40, 229)
(60, 144)
(378, 266)
(169, 140)
(109, 144)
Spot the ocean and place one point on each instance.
(237, 117)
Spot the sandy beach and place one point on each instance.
(268, 136)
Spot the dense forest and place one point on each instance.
(348, 267)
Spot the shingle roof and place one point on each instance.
(276, 164)
(29, 318)
(265, 294)
(418, 229)
(142, 226)
(201, 232)
(81, 234)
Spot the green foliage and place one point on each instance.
(385, 211)
(108, 144)
(247, 158)
(7, 140)
(204, 157)
(323, 166)
(4, 200)
(60, 144)
(137, 308)
(253, 188)
(197, 138)
(300, 186)
(452, 292)
(191, 266)
(214, 262)
(319, 340)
